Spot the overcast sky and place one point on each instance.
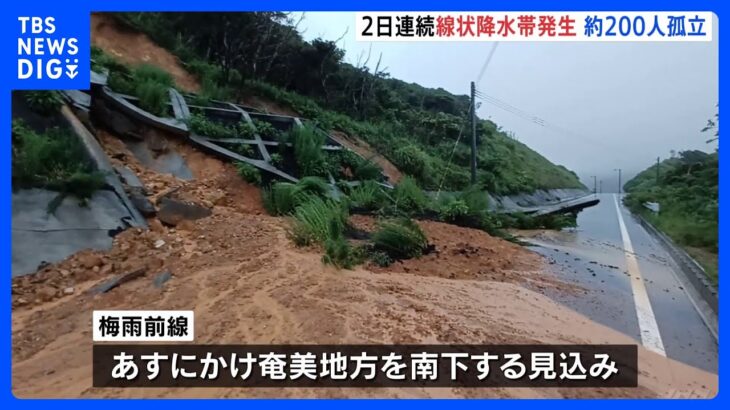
(621, 104)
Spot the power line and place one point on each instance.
(486, 63)
(535, 119)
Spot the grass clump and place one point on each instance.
(307, 143)
(249, 173)
(153, 97)
(283, 197)
(368, 196)
(408, 197)
(400, 239)
(318, 220)
(44, 102)
(54, 160)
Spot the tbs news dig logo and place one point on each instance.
(43, 53)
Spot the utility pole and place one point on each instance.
(594, 183)
(619, 180)
(473, 135)
(657, 170)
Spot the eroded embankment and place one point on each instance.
(247, 283)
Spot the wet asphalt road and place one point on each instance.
(593, 257)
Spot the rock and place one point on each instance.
(116, 281)
(173, 211)
(140, 201)
(106, 269)
(89, 260)
(159, 243)
(68, 291)
(161, 278)
(64, 272)
(21, 302)
(217, 197)
(46, 293)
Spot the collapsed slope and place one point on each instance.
(413, 127)
(247, 283)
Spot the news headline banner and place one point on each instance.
(187, 365)
(534, 26)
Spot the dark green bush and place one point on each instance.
(400, 239)
(283, 197)
(339, 253)
(148, 72)
(409, 197)
(276, 159)
(452, 210)
(249, 173)
(308, 152)
(317, 220)
(54, 160)
(153, 97)
(266, 130)
(380, 258)
(44, 102)
(368, 196)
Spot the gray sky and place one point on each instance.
(622, 104)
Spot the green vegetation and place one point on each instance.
(44, 102)
(686, 188)
(318, 220)
(420, 130)
(249, 173)
(308, 154)
(283, 197)
(409, 198)
(148, 83)
(400, 239)
(55, 160)
(367, 197)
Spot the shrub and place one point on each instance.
(249, 173)
(367, 170)
(283, 197)
(308, 151)
(339, 253)
(265, 129)
(153, 97)
(147, 72)
(54, 160)
(409, 197)
(400, 239)
(44, 102)
(367, 196)
(276, 159)
(412, 160)
(201, 125)
(279, 198)
(452, 210)
(314, 185)
(380, 258)
(317, 220)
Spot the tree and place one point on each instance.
(713, 126)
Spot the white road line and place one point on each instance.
(650, 336)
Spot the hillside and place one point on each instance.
(248, 56)
(686, 188)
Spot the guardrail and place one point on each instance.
(690, 268)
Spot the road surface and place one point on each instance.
(631, 284)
